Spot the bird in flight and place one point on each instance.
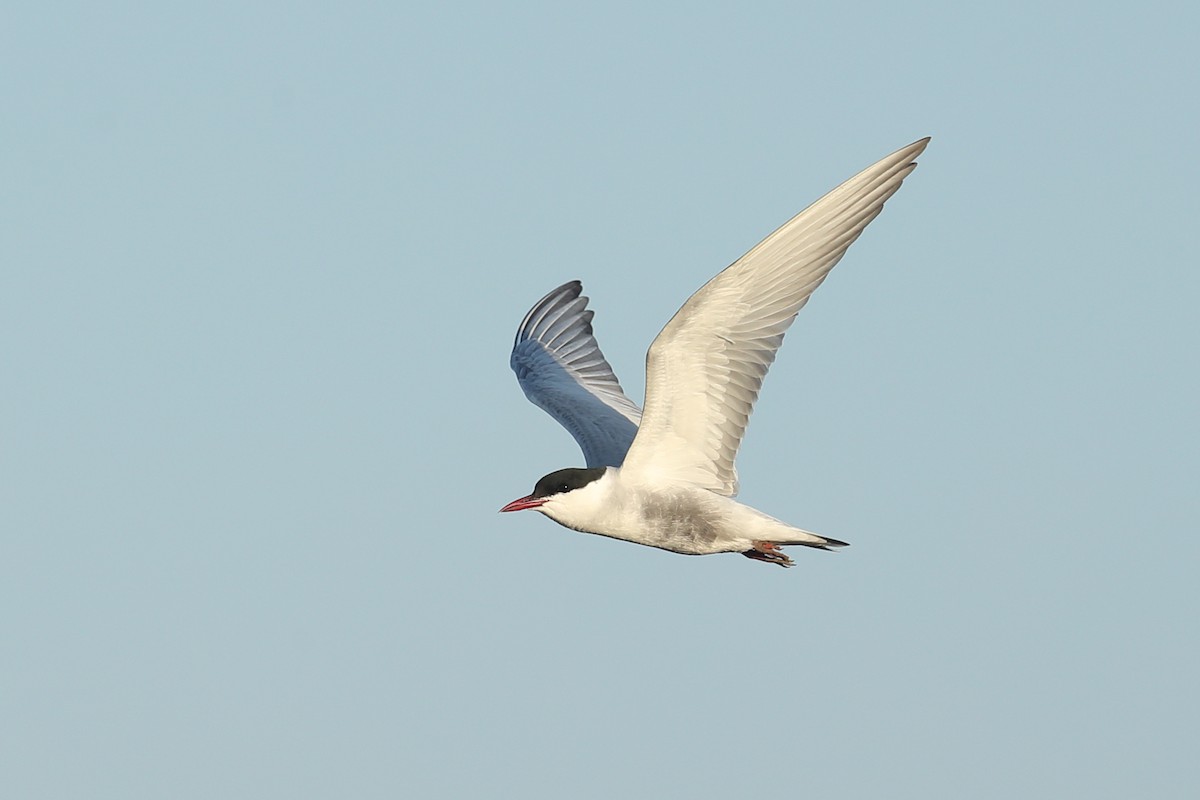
(664, 476)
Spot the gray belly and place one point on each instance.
(681, 523)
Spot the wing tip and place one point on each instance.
(568, 292)
(915, 149)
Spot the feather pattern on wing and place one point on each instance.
(705, 369)
(562, 371)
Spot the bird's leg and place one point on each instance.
(769, 552)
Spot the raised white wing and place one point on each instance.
(705, 369)
(562, 371)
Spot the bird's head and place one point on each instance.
(554, 485)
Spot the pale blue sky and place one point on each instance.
(261, 268)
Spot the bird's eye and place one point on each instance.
(562, 487)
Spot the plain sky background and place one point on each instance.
(260, 268)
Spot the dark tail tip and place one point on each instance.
(831, 545)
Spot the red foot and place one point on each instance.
(768, 552)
